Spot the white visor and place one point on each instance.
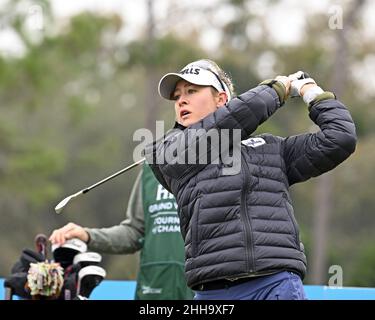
(192, 74)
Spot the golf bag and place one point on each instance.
(80, 272)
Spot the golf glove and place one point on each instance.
(298, 80)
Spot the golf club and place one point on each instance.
(85, 259)
(64, 202)
(88, 279)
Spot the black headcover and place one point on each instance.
(17, 280)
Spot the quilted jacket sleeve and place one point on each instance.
(245, 113)
(312, 154)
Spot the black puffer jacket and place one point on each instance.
(243, 224)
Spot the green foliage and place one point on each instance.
(363, 271)
(168, 51)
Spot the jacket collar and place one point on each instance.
(178, 126)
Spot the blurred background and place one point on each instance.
(77, 78)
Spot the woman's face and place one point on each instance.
(193, 102)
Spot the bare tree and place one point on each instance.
(152, 105)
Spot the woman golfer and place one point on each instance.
(241, 236)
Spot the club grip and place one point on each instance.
(304, 76)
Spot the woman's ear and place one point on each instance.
(222, 99)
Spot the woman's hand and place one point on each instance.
(300, 84)
(286, 82)
(306, 87)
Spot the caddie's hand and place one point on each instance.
(300, 84)
(69, 231)
(286, 82)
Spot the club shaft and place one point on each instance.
(65, 201)
(113, 175)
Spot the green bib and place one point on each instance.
(161, 275)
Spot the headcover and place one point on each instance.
(65, 254)
(45, 279)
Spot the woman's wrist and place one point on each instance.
(309, 92)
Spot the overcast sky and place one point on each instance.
(287, 18)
